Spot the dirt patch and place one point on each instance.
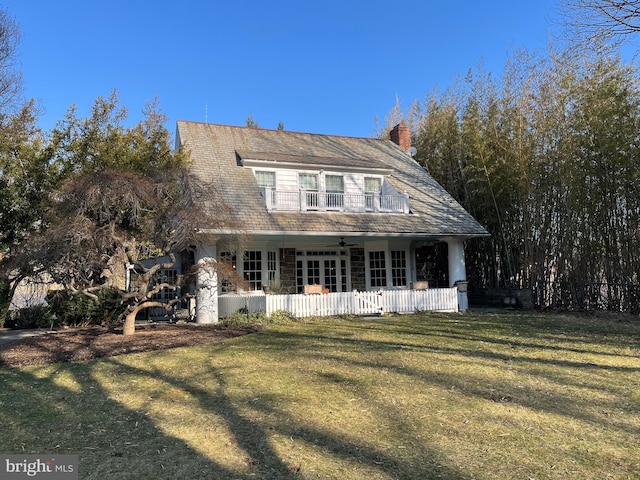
(96, 342)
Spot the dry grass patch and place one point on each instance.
(481, 395)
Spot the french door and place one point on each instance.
(330, 272)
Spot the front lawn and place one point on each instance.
(481, 395)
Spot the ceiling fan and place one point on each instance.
(342, 244)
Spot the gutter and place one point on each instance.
(305, 233)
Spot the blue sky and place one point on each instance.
(327, 66)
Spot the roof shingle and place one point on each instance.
(216, 154)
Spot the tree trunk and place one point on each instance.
(130, 323)
(130, 319)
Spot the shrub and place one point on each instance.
(281, 316)
(111, 307)
(242, 317)
(76, 310)
(5, 289)
(35, 316)
(237, 318)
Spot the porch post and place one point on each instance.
(458, 272)
(206, 285)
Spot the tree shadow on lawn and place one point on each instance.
(96, 342)
(37, 415)
(581, 374)
(528, 329)
(301, 341)
(254, 438)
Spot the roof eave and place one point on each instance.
(314, 166)
(304, 233)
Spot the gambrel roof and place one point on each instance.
(220, 155)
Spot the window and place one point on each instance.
(299, 276)
(334, 186)
(309, 182)
(272, 267)
(266, 180)
(378, 269)
(372, 188)
(343, 275)
(252, 269)
(313, 272)
(227, 282)
(399, 268)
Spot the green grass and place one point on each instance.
(480, 395)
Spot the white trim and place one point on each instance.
(456, 262)
(308, 233)
(281, 165)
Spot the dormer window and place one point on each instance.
(334, 186)
(319, 184)
(372, 191)
(309, 186)
(265, 180)
(308, 181)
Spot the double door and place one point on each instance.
(330, 272)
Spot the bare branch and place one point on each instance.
(601, 22)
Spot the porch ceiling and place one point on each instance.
(332, 238)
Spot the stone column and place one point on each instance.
(206, 285)
(288, 269)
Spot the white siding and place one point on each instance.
(287, 180)
(288, 196)
(387, 189)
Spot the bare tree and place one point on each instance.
(601, 22)
(100, 223)
(10, 73)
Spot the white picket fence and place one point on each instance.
(356, 303)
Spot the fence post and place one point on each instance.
(463, 300)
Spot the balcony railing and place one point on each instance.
(305, 201)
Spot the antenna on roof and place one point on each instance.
(206, 112)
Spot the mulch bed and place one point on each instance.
(96, 342)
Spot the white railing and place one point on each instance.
(303, 200)
(355, 303)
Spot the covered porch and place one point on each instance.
(333, 275)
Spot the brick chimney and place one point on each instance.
(401, 135)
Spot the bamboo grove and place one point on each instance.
(547, 158)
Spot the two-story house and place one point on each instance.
(339, 212)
